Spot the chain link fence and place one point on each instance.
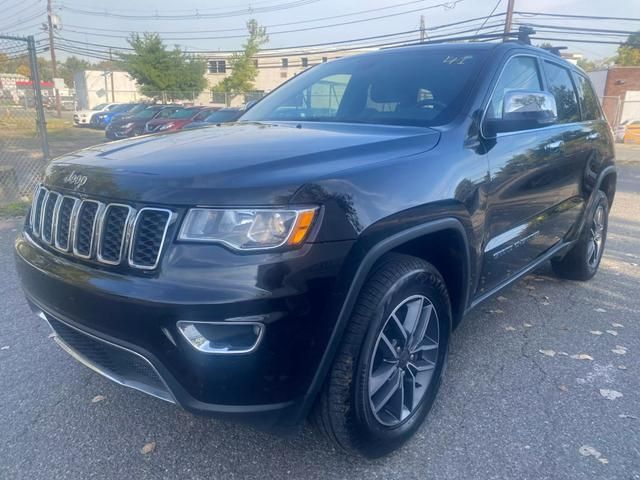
(23, 141)
(87, 99)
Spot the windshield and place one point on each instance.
(223, 116)
(418, 87)
(147, 112)
(135, 109)
(185, 113)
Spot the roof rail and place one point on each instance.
(554, 50)
(522, 35)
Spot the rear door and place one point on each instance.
(532, 197)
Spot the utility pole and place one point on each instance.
(113, 91)
(423, 30)
(509, 17)
(53, 54)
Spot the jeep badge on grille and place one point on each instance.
(75, 179)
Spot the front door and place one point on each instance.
(533, 190)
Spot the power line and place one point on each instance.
(590, 17)
(318, 27)
(243, 29)
(197, 15)
(79, 48)
(325, 44)
(248, 5)
(580, 29)
(490, 15)
(21, 21)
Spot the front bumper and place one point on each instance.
(78, 120)
(137, 314)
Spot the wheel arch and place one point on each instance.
(406, 241)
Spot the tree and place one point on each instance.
(70, 66)
(24, 70)
(629, 52)
(586, 64)
(172, 74)
(242, 65)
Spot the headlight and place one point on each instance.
(166, 126)
(248, 229)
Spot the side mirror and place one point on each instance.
(523, 110)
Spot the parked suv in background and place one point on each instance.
(315, 256)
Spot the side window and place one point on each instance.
(520, 73)
(561, 87)
(588, 99)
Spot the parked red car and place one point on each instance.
(178, 119)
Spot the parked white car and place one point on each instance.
(83, 117)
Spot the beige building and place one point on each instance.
(94, 87)
(274, 68)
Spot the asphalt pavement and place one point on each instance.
(542, 383)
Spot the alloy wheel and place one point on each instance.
(596, 236)
(403, 360)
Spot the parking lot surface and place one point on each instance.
(542, 383)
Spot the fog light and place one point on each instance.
(222, 337)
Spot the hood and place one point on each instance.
(240, 164)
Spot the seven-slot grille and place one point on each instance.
(111, 233)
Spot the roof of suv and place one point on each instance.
(497, 47)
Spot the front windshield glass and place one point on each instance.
(416, 87)
(99, 107)
(147, 113)
(184, 113)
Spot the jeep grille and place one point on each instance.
(109, 233)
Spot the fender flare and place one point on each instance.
(362, 272)
(590, 204)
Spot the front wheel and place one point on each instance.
(583, 260)
(387, 372)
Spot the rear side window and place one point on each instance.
(561, 87)
(520, 73)
(588, 99)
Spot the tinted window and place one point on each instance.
(148, 112)
(423, 88)
(561, 87)
(166, 113)
(520, 73)
(184, 113)
(588, 99)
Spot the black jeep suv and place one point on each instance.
(313, 257)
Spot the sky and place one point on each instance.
(111, 23)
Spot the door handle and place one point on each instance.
(553, 145)
(593, 136)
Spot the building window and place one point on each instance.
(324, 59)
(219, 97)
(285, 62)
(217, 66)
(305, 61)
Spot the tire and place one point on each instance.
(348, 411)
(582, 261)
